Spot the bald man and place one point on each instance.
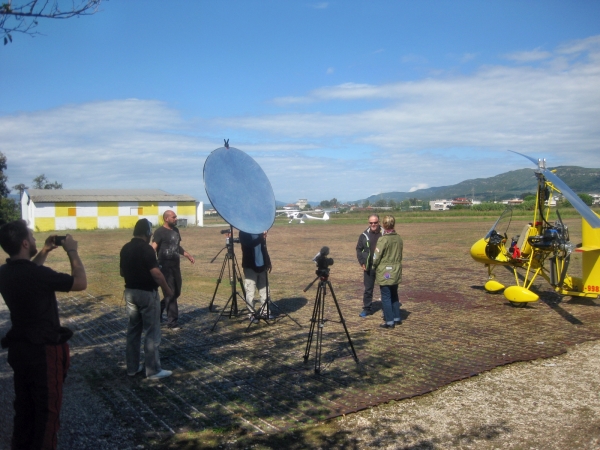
(167, 243)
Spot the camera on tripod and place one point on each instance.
(323, 262)
(229, 239)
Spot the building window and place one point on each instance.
(72, 212)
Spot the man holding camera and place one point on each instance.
(255, 264)
(37, 344)
(167, 242)
(367, 242)
(142, 278)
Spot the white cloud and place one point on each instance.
(398, 136)
(528, 56)
(330, 70)
(418, 186)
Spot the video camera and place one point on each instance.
(323, 262)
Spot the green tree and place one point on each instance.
(9, 209)
(586, 198)
(41, 182)
(325, 204)
(381, 203)
(21, 188)
(366, 204)
(392, 203)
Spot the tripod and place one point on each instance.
(318, 319)
(264, 313)
(234, 272)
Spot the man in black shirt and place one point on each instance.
(37, 345)
(142, 278)
(167, 243)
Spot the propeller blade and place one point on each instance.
(536, 162)
(583, 209)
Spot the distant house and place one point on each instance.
(596, 198)
(463, 201)
(88, 209)
(440, 205)
(512, 201)
(302, 203)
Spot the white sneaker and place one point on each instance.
(162, 374)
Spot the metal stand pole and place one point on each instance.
(234, 278)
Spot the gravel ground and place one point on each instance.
(542, 404)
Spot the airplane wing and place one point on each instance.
(325, 217)
(583, 209)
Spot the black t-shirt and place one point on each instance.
(137, 259)
(167, 241)
(29, 292)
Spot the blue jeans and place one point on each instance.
(143, 308)
(390, 303)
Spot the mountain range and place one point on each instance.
(500, 187)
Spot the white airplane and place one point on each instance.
(294, 214)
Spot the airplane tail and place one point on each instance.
(325, 216)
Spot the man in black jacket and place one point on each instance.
(255, 264)
(365, 247)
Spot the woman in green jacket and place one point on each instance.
(387, 261)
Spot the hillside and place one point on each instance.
(504, 186)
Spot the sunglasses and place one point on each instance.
(373, 223)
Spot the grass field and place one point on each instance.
(452, 330)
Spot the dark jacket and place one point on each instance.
(365, 247)
(254, 248)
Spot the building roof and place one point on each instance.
(105, 195)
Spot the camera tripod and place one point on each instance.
(264, 313)
(233, 269)
(318, 319)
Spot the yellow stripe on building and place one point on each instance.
(87, 223)
(108, 208)
(45, 224)
(66, 209)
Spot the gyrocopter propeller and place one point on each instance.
(543, 248)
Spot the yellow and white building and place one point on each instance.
(89, 209)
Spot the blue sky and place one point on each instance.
(337, 99)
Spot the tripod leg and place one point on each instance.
(210, 306)
(320, 326)
(343, 321)
(313, 321)
(240, 276)
(221, 314)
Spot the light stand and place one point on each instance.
(264, 313)
(234, 272)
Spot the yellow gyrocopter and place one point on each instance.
(543, 248)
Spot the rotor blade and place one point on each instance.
(583, 209)
(525, 156)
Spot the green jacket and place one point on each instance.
(387, 260)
